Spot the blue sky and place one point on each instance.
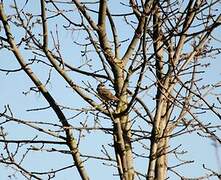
(14, 84)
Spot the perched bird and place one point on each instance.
(106, 94)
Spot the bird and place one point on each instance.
(106, 94)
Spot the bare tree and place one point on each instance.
(154, 55)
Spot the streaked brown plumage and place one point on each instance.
(105, 94)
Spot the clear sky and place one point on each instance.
(15, 93)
